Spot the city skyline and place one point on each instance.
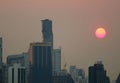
(74, 24)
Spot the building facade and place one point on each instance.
(47, 31)
(118, 79)
(97, 74)
(5, 73)
(63, 79)
(16, 74)
(1, 60)
(0, 52)
(56, 61)
(22, 59)
(41, 65)
(78, 75)
(72, 70)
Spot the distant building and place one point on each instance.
(81, 73)
(47, 31)
(63, 79)
(73, 71)
(22, 59)
(97, 74)
(0, 75)
(5, 73)
(118, 79)
(56, 61)
(78, 75)
(56, 53)
(63, 72)
(41, 62)
(1, 60)
(16, 74)
(0, 52)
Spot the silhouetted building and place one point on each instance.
(1, 60)
(81, 73)
(118, 79)
(56, 61)
(0, 52)
(97, 74)
(5, 73)
(47, 31)
(63, 72)
(63, 79)
(22, 59)
(78, 75)
(0, 75)
(41, 62)
(16, 74)
(56, 53)
(73, 71)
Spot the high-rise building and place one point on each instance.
(41, 62)
(5, 73)
(16, 74)
(118, 79)
(56, 53)
(1, 60)
(56, 61)
(78, 75)
(97, 74)
(81, 73)
(22, 59)
(0, 75)
(0, 52)
(73, 71)
(47, 31)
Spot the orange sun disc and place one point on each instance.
(100, 32)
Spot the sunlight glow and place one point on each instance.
(100, 32)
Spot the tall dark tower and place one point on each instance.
(0, 60)
(48, 37)
(41, 71)
(118, 79)
(97, 74)
(0, 52)
(47, 31)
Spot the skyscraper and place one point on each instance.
(56, 61)
(56, 53)
(22, 59)
(0, 60)
(47, 31)
(73, 71)
(41, 71)
(16, 74)
(118, 79)
(97, 74)
(0, 52)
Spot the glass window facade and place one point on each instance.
(42, 64)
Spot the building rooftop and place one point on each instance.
(41, 44)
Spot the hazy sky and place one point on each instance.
(74, 25)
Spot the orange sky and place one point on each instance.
(74, 25)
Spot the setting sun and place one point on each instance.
(100, 32)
